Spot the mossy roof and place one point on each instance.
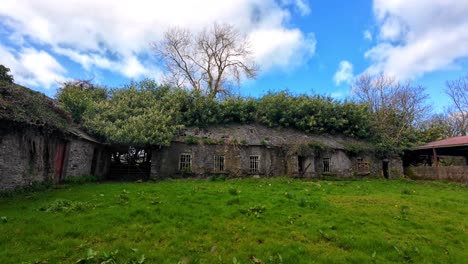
(256, 134)
(22, 105)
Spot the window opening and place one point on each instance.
(219, 163)
(185, 162)
(254, 164)
(326, 165)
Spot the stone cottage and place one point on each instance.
(35, 148)
(28, 155)
(242, 150)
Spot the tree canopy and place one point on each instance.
(144, 113)
(5, 76)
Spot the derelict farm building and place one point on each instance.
(238, 150)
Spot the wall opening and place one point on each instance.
(185, 162)
(94, 161)
(326, 164)
(385, 168)
(254, 164)
(219, 163)
(129, 163)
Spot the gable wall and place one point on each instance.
(29, 155)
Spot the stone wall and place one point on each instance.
(274, 161)
(448, 173)
(26, 156)
(31, 154)
(165, 162)
(86, 158)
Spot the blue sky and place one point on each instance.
(303, 46)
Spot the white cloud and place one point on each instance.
(344, 74)
(300, 5)
(115, 35)
(32, 67)
(367, 35)
(289, 49)
(418, 36)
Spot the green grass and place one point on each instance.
(238, 221)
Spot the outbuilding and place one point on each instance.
(256, 150)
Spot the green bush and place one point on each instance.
(191, 140)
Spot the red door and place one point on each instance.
(59, 161)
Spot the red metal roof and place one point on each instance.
(446, 143)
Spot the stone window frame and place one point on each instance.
(326, 162)
(219, 163)
(362, 165)
(254, 164)
(185, 162)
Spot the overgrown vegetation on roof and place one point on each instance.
(144, 113)
(20, 104)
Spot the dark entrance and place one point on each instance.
(302, 165)
(130, 164)
(94, 162)
(385, 168)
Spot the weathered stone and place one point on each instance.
(29, 154)
(287, 152)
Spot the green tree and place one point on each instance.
(4, 75)
(79, 97)
(139, 114)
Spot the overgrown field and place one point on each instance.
(238, 221)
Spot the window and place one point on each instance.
(362, 166)
(254, 164)
(185, 162)
(218, 163)
(326, 165)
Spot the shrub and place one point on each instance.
(191, 140)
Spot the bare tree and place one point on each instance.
(397, 107)
(210, 61)
(457, 90)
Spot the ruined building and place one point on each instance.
(39, 143)
(243, 150)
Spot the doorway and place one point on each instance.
(385, 168)
(304, 166)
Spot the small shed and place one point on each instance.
(445, 159)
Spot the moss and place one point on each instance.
(191, 140)
(20, 104)
(357, 148)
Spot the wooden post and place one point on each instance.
(436, 162)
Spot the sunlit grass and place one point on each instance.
(245, 221)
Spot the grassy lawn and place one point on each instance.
(238, 221)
